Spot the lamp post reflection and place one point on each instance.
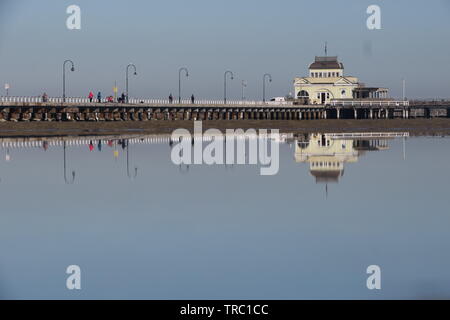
(131, 175)
(67, 180)
(182, 169)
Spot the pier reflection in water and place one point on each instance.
(141, 227)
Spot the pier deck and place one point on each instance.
(80, 109)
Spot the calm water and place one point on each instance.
(209, 232)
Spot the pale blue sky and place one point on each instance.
(209, 36)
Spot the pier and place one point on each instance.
(81, 109)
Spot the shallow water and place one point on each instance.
(213, 232)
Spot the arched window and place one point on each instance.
(303, 94)
(343, 93)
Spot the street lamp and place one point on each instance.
(179, 82)
(135, 73)
(225, 84)
(404, 89)
(68, 181)
(64, 76)
(264, 85)
(244, 85)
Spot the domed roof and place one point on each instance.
(326, 63)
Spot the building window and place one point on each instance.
(343, 92)
(303, 94)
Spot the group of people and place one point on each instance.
(171, 99)
(110, 99)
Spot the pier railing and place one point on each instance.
(159, 102)
(368, 103)
(367, 135)
(38, 142)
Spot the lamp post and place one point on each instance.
(225, 84)
(179, 82)
(404, 89)
(264, 85)
(244, 85)
(135, 73)
(64, 76)
(67, 180)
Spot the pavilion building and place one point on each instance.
(327, 81)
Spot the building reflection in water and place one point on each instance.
(326, 154)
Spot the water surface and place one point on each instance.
(141, 227)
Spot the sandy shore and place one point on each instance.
(436, 126)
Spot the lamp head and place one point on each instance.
(73, 69)
(135, 73)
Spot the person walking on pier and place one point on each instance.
(192, 99)
(45, 97)
(91, 96)
(170, 98)
(99, 97)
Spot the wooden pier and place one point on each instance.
(33, 109)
